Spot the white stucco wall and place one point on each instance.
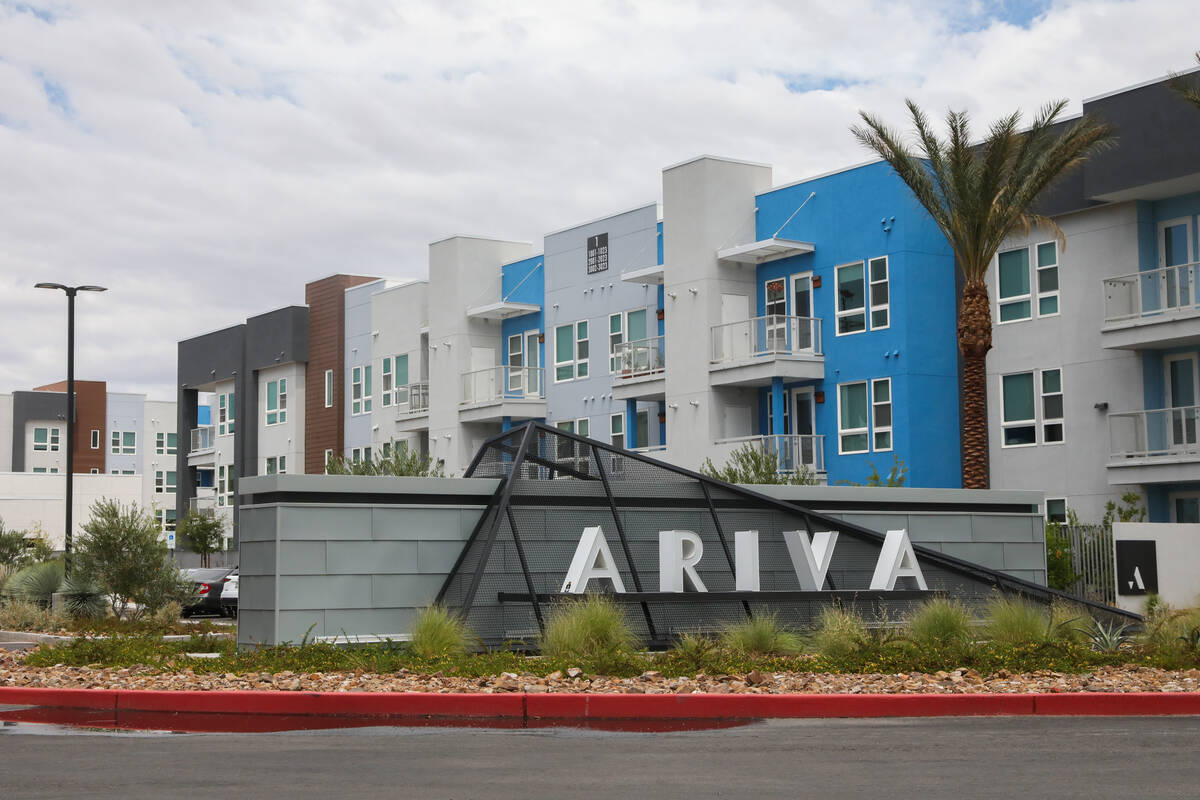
(29, 501)
(1177, 547)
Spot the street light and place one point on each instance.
(71, 291)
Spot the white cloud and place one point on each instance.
(204, 160)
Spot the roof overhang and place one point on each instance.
(651, 274)
(503, 309)
(765, 250)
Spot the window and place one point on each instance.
(616, 430)
(224, 486)
(122, 472)
(360, 390)
(400, 381)
(94, 471)
(1047, 279)
(165, 444)
(881, 413)
(852, 418)
(277, 401)
(367, 393)
(226, 413)
(95, 439)
(1052, 406)
(1056, 509)
(39, 469)
(851, 299)
(276, 465)
(641, 429)
(1020, 425)
(571, 351)
(41, 439)
(616, 335)
(387, 381)
(328, 458)
(1013, 275)
(164, 482)
(361, 454)
(124, 443)
(386, 450)
(879, 292)
(329, 388)
(166, 519)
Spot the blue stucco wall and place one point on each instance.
(856, 215)
(523, 282)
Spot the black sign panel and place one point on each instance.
(597, 253)
(1137, 567)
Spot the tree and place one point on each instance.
(751, 464)
(978, 195)
(1188, 88)
(402, 462)
(201, 533)
(18, 548)
(120, 551)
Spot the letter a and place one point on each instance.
(896, 560)
(592, 559)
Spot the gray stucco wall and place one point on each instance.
(28, 406)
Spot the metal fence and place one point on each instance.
(1092, 561)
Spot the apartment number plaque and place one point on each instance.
(597, 253)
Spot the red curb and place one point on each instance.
(104, 699)
(1117, 704)
(345, 704)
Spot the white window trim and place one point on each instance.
(1017, 298)
(329, 388)
(227, 428)
(1173, 496)
(387, 382)
(611, 433)
(328, 458)
(356, 384)
(575, 361)
(838, 313)
(887, 281)
(95, 438)
(1036, 286)
(44, 447)
(1046, 509)
(280, 409)
(1041, 409)
(613, 367)
(842, 431)
(888, 429)
(1035, 422)
(1158, 244)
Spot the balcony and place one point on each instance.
(753, 351)
(792, 451)
(202, 447)
(1156, 446)
(489, 395)
(203, 502)
(1153, 309)
(412, 407)
(639, 369)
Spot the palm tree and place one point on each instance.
(979, 194)
(1189, 89)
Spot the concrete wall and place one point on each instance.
(358, 567)
(29, 501)
(1177, 547)
(286, 438)
(126, 412)
(398, 313)
(358, 342)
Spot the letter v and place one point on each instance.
(811, 561)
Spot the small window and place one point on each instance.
(851, 299)
(400, 393)
(356, 391)
(1013, 269)
(571, 351)
(881, 413)
(328, 458)
(1019, 422)
(583, 427)
(852, 418)
(1052, 406)
(387, 376)
(386, 450)
(41, 439)
(172, 444)
(367, 391)
(128, 443)
(616, 429)
(1047, 279)
(277, 401)
(94, 471)
(880, 305)
(54, 433)
(39, 469)
(329, 388)
(1056, 509)
(225, 413)
(115, 443)
(616, 335)
(160, 443)
(95, 439)
(276, 465)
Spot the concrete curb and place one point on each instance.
(527, 710)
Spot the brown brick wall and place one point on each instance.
(326, 301)
(91, 407)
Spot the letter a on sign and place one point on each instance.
(896, 560)
(592, 559)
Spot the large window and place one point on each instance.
(1015, 292)
(1047, 279)
(277, 401)
(276, 465)
(46, 439)
(880, 296)
(853, 426)
(166, 444)
(400, 380)
(360, 390)
(1056, 509)
(166, 519)
(851, 299)
(124, 443)
(224, 485)
(571, 351)
(164, 482)
(1032, 400)
(226, 413)
(329, 388)
(616, 430)
(881, 413)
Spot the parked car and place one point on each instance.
(229, 595)
(208, 586)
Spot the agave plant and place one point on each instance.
(82, 599)
(1191, 639)
(1107, 638)
(35, 583)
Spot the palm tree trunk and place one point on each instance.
(974, 341)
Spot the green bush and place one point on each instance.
(18, 614)
(402, 462)
(1060, 571)
(120, 551)
(1014, 620)
(438, 633)
(82, 598)
(35, 583)
(940, 622)
(751, 464)
(202, 532)
(592, 632)
(840, 633)
(762, 635)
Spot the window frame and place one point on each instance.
(279, 412)
(886, 282)
(838, 312)
(615, 422)
(1047, 421)
(356, 391)
(615, 338)
(1046, 510)
(43, 446)
(1015, 299)
(387, 382)
(329, 388)
(580, 360)
(1033, 422)
(1038, 268)
(876, 429)
(95, 438)
(844, 431)
(226, 413)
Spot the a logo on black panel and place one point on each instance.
(1137, 567)
(597, 253)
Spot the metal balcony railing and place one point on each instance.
(412, 398)
(1162, 432)
(205, 502)
(766, 336)
(502, 383)
(642, 357)
(1151, 293)
(203, 438)
(791, 450)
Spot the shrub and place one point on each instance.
(120, 551)
(20, 548)
(22, 615)
(82, 598)
(403, 462)
(840, 633)
(1014, 620)
(762, 635)
(167, 616)
(940, 622)
(438, 633)
(1060, 570)
(694, 652)
(752, 464)
(35, 583)
(1070, 622)
(592, 632)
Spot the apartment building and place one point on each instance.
(1093, 383)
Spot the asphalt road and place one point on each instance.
(931, 758)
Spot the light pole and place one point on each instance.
(71, 291)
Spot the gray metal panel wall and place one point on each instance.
(33, 406)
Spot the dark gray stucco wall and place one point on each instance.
(33, 406)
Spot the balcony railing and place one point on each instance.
(207, 502)
(411, 399)
(1151, 293)
(792, 451)
(1160, 432)
(772, 335)
(203, 438)
(642, 357)
(502, 383)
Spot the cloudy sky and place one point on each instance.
(204, 159)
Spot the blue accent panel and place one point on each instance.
(523, 282)
(630, 423)
(662, 293)
(1158, 505)
(204, 415)
(1147, 236)
(856, 215)
(1154, 382)
(660, 244)
(662, 426)
(777, 405)
(505, 424)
